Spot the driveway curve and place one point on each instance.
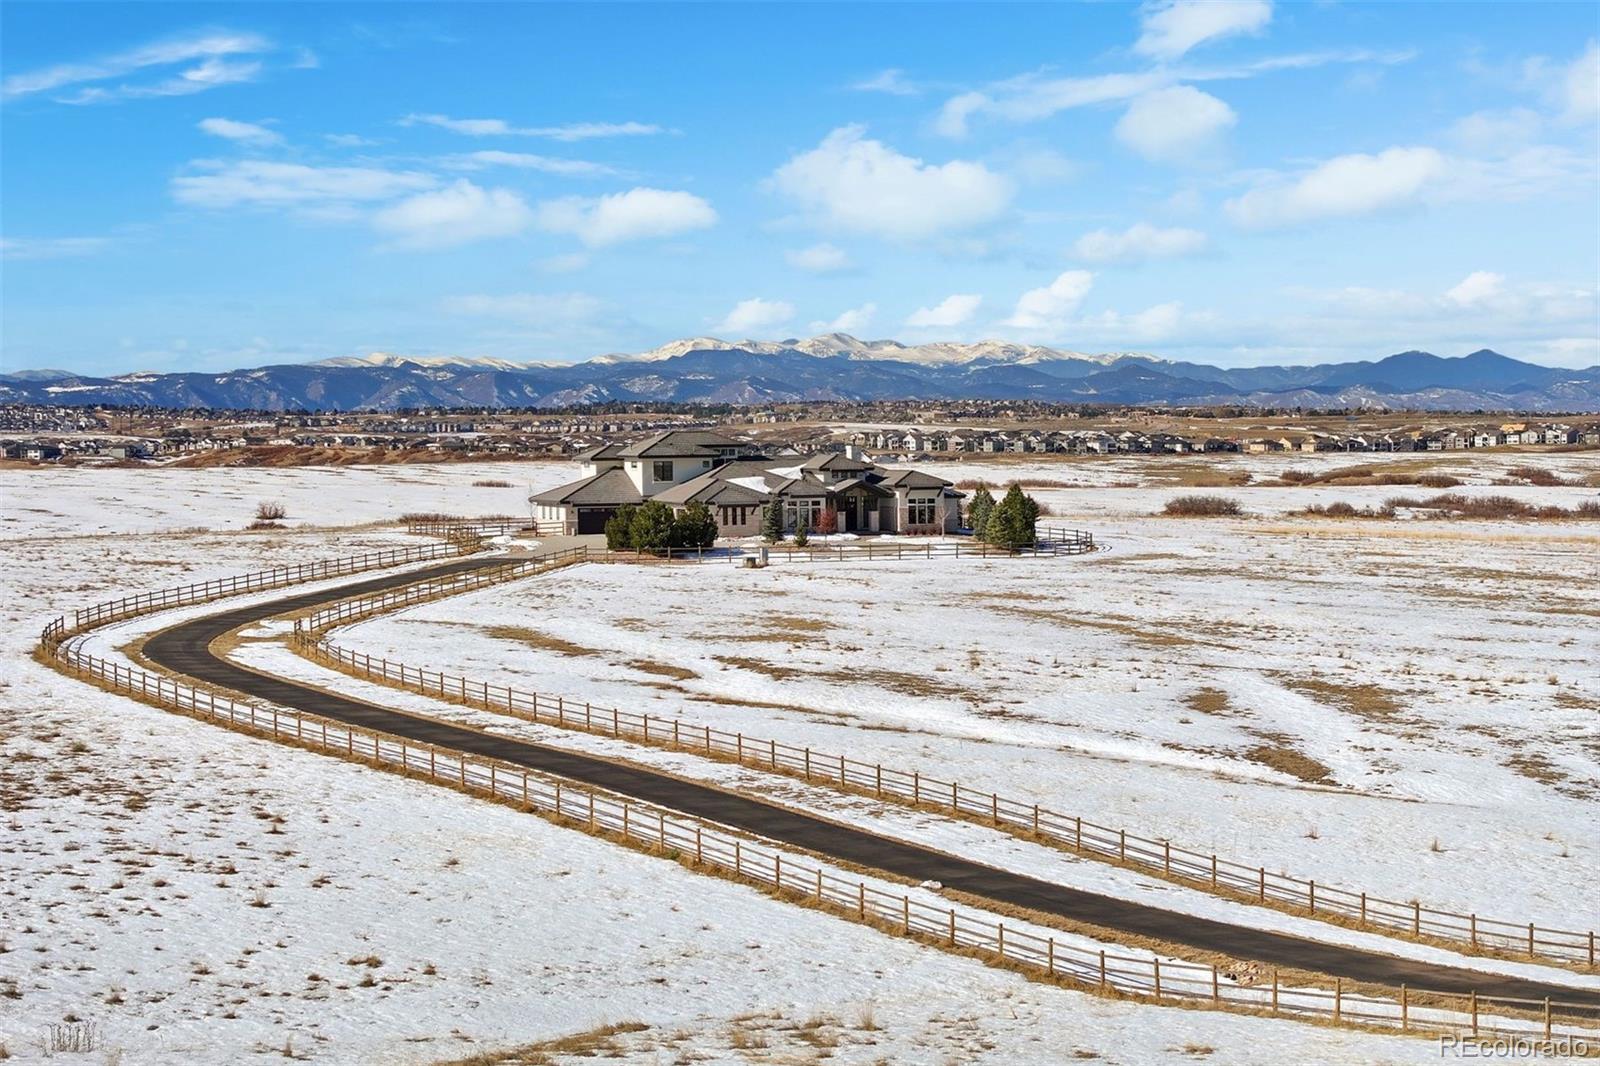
(186, 649)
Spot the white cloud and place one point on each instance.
(499, 127)
(951, 311)
(819, 259)
(209, 48)
(637, 214)
(892, 81)
(1174, 124)
(210, 74)
(1032, 97)
(1158, 323)
(576, 168)
(454, 215)
(51, 247)
(755, 315)
(851, 321)
(349, 140)
(534, 307)
(1476, 287)
(1581, 86)
(1346, 185)
(242, 132)
(851, 183)
(1173, 27)
(1138, 243)
(255, 181)
(564, 264)
(1497, 132)
(1050, 306)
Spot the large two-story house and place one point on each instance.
(680, 467)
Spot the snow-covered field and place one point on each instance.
(403, 923)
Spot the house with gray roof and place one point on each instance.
(681, 467)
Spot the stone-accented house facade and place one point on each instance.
(680, 467)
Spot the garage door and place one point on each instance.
(593, 519)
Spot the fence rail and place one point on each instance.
(1203, 870)
(261, 580)
(1040, 956)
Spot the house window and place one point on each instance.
(661, 470)
(919, 512)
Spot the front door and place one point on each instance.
(851, 522)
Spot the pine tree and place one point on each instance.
(801, 538)
(619, 528)
(980, 511)
(694, 527)
(772, 522)
(652, 526)
(1012, 525)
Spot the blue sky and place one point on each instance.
(213, 185)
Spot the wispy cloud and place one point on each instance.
(574, 168)
(254, 182)
(248, 133)
(213, 55)
(755, 315)
(51, 247)
(892, 81)
(1173, 27)
(499, 127)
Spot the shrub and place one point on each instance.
(1537, 475)
(1588, 509)
(270, 510)
(1202, 505)
(980, 510)
(491, 483)
(262, 523)
(651, 527)
(1438, 481)
(619, 528)
(694, 527)
(772, 522)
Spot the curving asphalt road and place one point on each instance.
(186, 649)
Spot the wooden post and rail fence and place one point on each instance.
(1039, 955)
(1252, 883)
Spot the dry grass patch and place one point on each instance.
(677, 673)
(1364, 700)
(600, 1041)
(897, 681)
(1289, 761)
(1202, 505)
(1209, 701)
(535, 639)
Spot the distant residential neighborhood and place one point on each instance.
(903, 431)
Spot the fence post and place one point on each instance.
(879, 770)
(1274, 991)
(1416, 917)
(1001, 943)
(1363, 908)
(1035, 819)
(1311, 894)
(1102, 969)
(1157, 968)
(861, 899)
(916, 787)
(1216, 992)
(1405, 1009)
(1474, 1012)
(1338, 998)
(1547, 1018)
(952, 927)
(738, 859)
(1122, 845)
(1050, 957)
(1262, 894)
(905, 913)
(1213, 872)
(699, 850)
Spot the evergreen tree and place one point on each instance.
(979, 511)
(801, 538)
(651, 527)
(1012, 525)
(772, 522)
(619, 528)
(694, 527)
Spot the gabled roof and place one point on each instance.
(834, 461)
(679, 444)
(613, 488)
(604, 451)
(912, 479)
